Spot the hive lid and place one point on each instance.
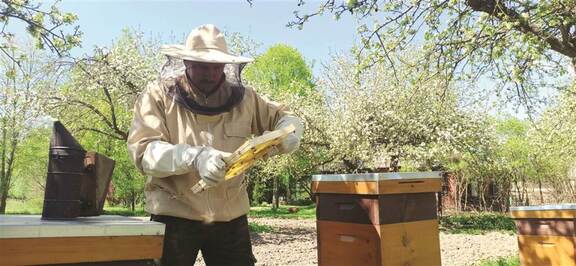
(31, 226)
(568, 206)
(376, 176)
(557, 211)
(378, 183)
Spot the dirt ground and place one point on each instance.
(293, 242)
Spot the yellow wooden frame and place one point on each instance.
(249, 153)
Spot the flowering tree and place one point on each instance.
(553, 135)
(96, 103)
(374, 117)
(524, 45)
(282, 74)
(20, 84)
(44, 25)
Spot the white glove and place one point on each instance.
(211, 166)
(292, 141)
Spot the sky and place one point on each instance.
(102, 22)
(265, 22)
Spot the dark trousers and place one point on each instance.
(221, 243)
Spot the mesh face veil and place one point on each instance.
(175, 68)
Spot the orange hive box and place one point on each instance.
(546, 234)
(377, 219)
(99, 240)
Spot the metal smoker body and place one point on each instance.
(77, 181)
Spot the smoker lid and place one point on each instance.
(61, 138)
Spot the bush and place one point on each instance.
(260, 228)
(477, 223)
(304, 212)
(123, 211)
(302, 202)
(509, 261)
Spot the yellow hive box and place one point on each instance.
(546, 234)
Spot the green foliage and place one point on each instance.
(260, 228)
(476, 223)
(123, 211)
(19, 107)
(554, 144)
(304, 212)
(31, 164)
(25, 206)
(502, 261)
(259, 190)
(96, 105)
(282, 73)
(281, 69)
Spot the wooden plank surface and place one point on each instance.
(547, 250)
(32, 251)
(347, 244)
(410, 186)
(407, 244)
(378, 187)
(376, 209)
(411, 244)
(554, 227)
(368, 188)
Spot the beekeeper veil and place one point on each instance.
(204, 44)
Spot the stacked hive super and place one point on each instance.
(546, 234)
(377, 219)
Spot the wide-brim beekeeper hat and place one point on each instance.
(206, 44)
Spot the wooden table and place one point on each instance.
(383, 219)
(546, 234)
(102, 240)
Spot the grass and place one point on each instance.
(477, 223)
(304, 212)
(260, 228)
(34, 206)
(464, 223)
(123, 211)
(502, 261)
(30, 206)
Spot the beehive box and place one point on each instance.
(546, 234)
(100, 240)
(377, 219)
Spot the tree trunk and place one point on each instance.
(133, 199)
(288, 185)
(3, 177)
(288, 192)
(540, 188)
(275, 203)
(3, 199)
